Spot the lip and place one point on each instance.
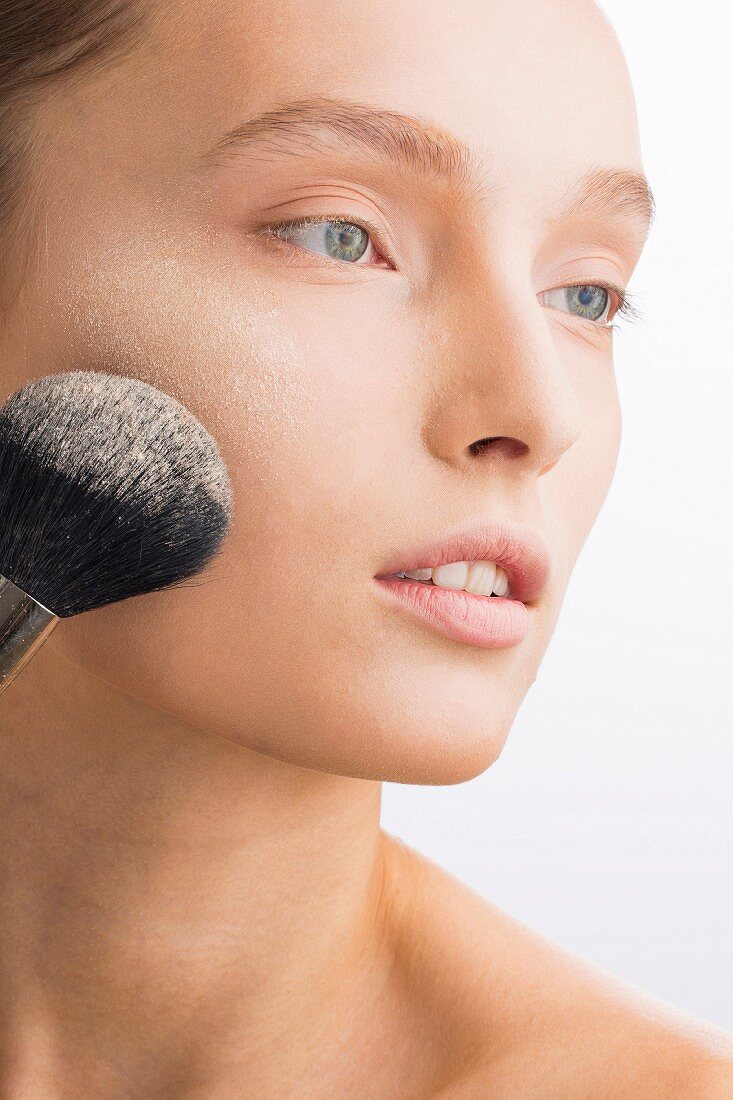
(518, 549)
(492, 622)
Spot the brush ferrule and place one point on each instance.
(24, 626)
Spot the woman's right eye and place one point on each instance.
(330, 236)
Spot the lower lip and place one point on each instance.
(489, 621)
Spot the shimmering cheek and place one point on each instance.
(230, 355)
(266, 391)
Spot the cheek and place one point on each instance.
(227, 354)
(579, 484)
(604, 439)
(280, 385)
(292, 419)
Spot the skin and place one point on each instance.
(196, 897)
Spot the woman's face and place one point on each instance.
(344, 385)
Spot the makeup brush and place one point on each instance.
(109, 489)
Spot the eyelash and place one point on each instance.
(627, 309)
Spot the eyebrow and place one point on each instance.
(417, 147)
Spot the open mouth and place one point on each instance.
(485, 557)
(431, 584)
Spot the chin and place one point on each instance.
(400, 718)
(424, 749)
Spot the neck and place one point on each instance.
(170, 899)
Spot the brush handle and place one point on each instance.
(24, 626)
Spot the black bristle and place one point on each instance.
(109, 489)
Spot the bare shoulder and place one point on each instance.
(515, 1015)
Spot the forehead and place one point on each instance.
(520, 82)
(538, 91)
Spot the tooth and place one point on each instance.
(481, 578)
(501, 584)
(452, 575)
(419, 574)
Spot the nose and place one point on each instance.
(500, 392)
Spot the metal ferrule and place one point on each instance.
(24, 626)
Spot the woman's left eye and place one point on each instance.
(589, 301)
(337, 238)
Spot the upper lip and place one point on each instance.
(518, 549)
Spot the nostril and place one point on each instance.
(481, 445)
(511, 446)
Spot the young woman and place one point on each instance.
(379, 249)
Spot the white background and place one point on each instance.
(607, 823)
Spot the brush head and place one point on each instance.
(109, 488)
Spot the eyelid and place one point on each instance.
(315, 219)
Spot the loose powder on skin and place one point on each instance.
(150, 308)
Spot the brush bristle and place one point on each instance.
(109, 489)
